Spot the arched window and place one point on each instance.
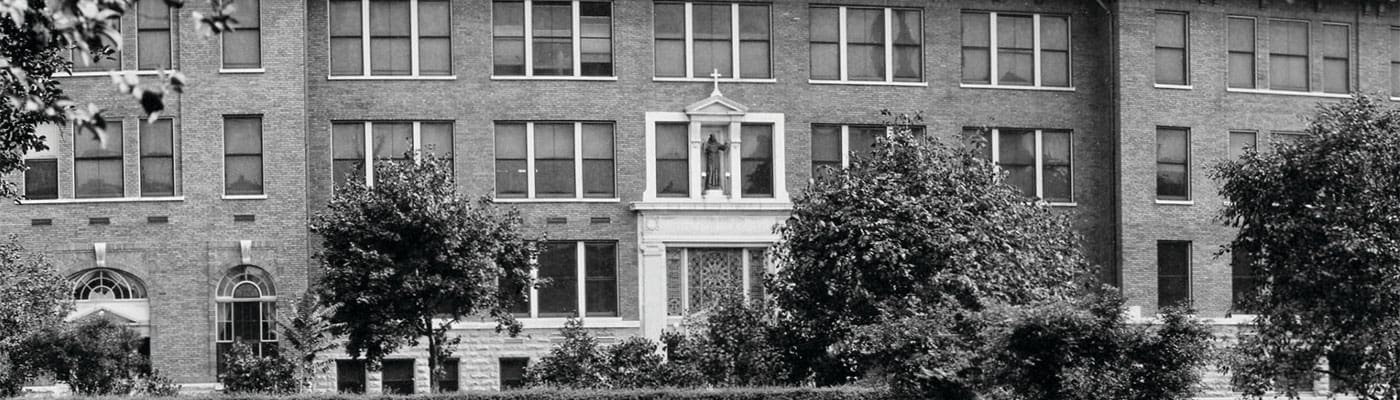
(247, 312)
(106, 284)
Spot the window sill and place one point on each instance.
(104, 200)
(1172, 87)
(866, 83)
(1014, 87)
(245, 197)
(391, 78)
(554, 78)
(705, 80)
(242, 70)
(1064, 204)
(106, 73)
(1176, 202)
(1290, 93)
(561, 200)
(555, 323)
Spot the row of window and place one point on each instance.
(1174, 157)
(100, 160)
(239, 49)
(1287, 45)
(1174, 276)
(396, 375)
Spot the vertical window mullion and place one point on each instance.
(529, 160)
(577, 43)
(689, 40)
(368, 153)
(534, 293)
(578, 163)
(889, 45)
(841, 38)
(996, 146)
(845, 146)
(734, 38)
(581, 275)
(1035, 57)
(529, 56)
(417, 137)
(1039, 165)
(992, 50)
(413, 50)
(364, 37)
(744, 267)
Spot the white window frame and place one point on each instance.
(136, 45)
(581, 274)
(223, 153)
(1265, 51)
(369, 142)
(175, 170)
(578, 165)
(1186, 49)
(689, 29)
(365, 72)
(746, 264)
(529, 37)
(122, 51)
(263, 67)
(1036, 84)
(995, 145)
(780, 194)
(889, 50)
(1350, 58)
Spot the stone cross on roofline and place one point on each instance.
(716, 75)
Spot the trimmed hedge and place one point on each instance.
(765, 393)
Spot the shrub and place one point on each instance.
(733, 345)
(574, 363)
(95, 357)
(633, 363)
(245, 372)
(763, 393)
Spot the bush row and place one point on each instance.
(754, 393)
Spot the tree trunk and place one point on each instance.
(432, 356)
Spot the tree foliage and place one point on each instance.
(97, 357)
(34, 37)
(408, 256)
(1319, 223)
(245, 372)
(920, 224)
(33, 300)
(306, 333)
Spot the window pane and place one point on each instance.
(1242, 281)
(670, 58)
(434, 18)
(861, 140)
(598, 160)
(107, 144)
(976, 30)
(558, 262)
(97, 178)
(243, 135)
(1054, 33)
(1241, 34)
(508, 18)
(1054, 68)
(712, 21)
(711, 55)
(600, 267)
(436, 138)
(825, 24)
(508, 57)
(242, 48)
(1288, 72)
(976, 65)
(1173, 273)
(553, 56)
(84, 61)
(435, 56)
(41, 180)
(753, 22)
(154, 49)
(554, 160)
(347, 56)
(1015, 67)
(865, 62)
(672, 160)
(598, 141)
(1335, 76)
(826, 61)
(398, 376)
(826, 143)
(669, 21)
(156, 138)
(865, 36)
(1058, 172)
(513, 372)
(347, 152)
(157, 176)
(1171, 145)
(1017, 156)
(390, 56)
(1015, 32)
(1242, 70)
(243, 174)
(595, 47)
(1172, 181)
(757, 160)
(552, 19)
(1288, 37)
(389, 18)
(392, 140)
(350, 376)
(753, 60)
(1171, 66)
(595, 19)
(1239, 142)
(1171, 30)
(345, 17)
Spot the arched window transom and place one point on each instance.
(247, 312)
(106, 284)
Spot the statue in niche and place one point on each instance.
(714, 162)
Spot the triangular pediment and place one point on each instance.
(717, 105)
(102, 313)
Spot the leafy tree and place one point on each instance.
(34, 37)
(33, 299)
(306, 333)
(1319, 225)
(98, 357)
(919, 225)
(408, 257)
(245, 372)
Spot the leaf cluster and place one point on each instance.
(245, 372)
(33, 301)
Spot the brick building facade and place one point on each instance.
(592, 118)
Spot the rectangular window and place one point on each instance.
(579, 274)
(1241, 49)
(866, 44)
(386, 140)
(451, 376)
(716, 42)
(834, 146)
(552, 38)
(242, 47)
(1037, 161)
(83, 62)
(153, 36)
(157, 159)
(1003, 49)
(568, 160)
(1173, 274)
(1288, 55)
(1172, 50)
(513, 372)
(41, 175)
(97, 162)
(1395, 62)
(381, 38)
(243, 155)
(672, 160)
(756, 160)
(1242, 280)
(1173, 163)
(1241, 141)
(398, 376)
(1336, 58)
(350, 376)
